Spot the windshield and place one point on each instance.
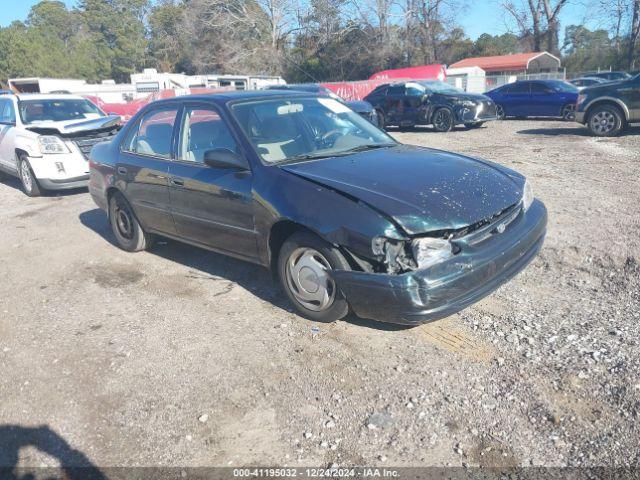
(303, 128)
(440, 87)
(37, 111)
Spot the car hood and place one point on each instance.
(359, 106)
(71, 127)
(421, 189)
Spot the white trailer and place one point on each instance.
(109, 91)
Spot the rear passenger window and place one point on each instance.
(152, 135)
(519, 88)
(203, 130)
(396, 90)
(7, 112)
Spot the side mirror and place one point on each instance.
(224, 158)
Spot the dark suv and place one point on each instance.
(607, 109)
(429, 102)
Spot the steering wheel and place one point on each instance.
(331, 133)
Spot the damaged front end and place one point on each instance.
(425, 278)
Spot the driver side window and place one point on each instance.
(202, 130)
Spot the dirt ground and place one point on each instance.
(182, 357)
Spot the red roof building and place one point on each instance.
(534, 62)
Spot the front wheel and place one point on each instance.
(303, 266)
(129, 234)
(606, 121)
(443, 120)
(569, 112)
(27, 178)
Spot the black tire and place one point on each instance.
(568, 112)
(129, 234)
(443, 120)
(30, 185)
(290, 253)
(471, 126)
(500, 113)
(606, 121)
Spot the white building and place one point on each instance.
(469, 79)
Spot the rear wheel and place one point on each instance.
(129, 234)
(27, 178)
(303, 266)
(443, 120)
(606, 121)
(569, 112)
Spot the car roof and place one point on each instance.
(48, 96)
(232, 96)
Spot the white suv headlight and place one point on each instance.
(429, 251)
(52, 144)
(527, 195)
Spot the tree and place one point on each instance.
(633, 34)
(166, 39)
(117, 29)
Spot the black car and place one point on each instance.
(606, 109)
(406, 104)
(346, 216)
(364, 109)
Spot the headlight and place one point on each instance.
(429, 251)
(52, 144)
(466, 103)
(527, 195)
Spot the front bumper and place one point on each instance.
(426, 295)
(484, 112)
(66, 184)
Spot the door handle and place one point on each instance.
(122, 170)
(178, 182)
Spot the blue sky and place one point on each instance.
(19, 9)
(486, 16)
(481, 15)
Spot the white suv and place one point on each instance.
(45, 140)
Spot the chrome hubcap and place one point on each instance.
(25, 174)
(603, 122)
(308, 281)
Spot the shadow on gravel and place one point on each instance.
(254, 278)
(74, 465)
(573, 131)
(427, 129)
(204, 263)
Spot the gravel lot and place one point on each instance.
(182, 357)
